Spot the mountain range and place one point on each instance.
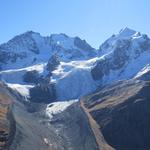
(60, 93)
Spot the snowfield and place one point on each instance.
(15, 75)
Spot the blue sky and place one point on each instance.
(93, 20)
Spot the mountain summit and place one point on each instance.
(31, 46)
(126, 32)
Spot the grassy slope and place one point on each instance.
(5, 106)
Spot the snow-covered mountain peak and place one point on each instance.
(29, 33)
(122, 56)
(24, 36)
(27, 41)
(126, 37)
(30, 48)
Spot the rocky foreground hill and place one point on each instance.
(122, 113)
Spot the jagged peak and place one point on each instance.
(26, 34)
(59, 35)
(30, 33)
(78, 38)
(127, 32)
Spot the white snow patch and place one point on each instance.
(143, 71)
(63, 40)
(22, 89)
(58, 107)
(16, 75)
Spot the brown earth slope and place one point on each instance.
(102, 144)
(122, 112)
(6, 119)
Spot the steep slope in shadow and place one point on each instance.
(122, 112)
(102, 144)
(68, 130)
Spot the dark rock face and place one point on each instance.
(43, 93)
(82, 44)
(53, 63)
(100, 69)
(31, 77)
(118, 59)
(120, 55)
(3, 56)
(6, 56)
(122, 111)
(145, 45)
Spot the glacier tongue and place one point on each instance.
(73, 79)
